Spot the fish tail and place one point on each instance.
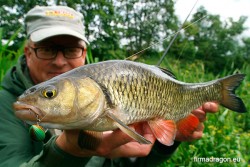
(229, 99)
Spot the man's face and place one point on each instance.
(42, 70)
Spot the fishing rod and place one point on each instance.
(173, 39)
(176, 34)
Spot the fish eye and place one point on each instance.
(49, 92)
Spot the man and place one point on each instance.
(56, 44)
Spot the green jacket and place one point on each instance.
(17, 148)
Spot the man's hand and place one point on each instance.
(114, 143)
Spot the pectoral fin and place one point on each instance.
(164, 130)
(89, 140)
(130, 132)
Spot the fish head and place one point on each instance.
(63, 103)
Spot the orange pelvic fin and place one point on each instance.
(188, 125)
(164, 130)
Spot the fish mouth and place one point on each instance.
(27, 112)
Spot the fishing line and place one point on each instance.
(171, 42)
(167, 37)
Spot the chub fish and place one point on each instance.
(113, 94)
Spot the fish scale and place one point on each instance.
(149, 104)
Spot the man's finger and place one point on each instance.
(200, 114)
(112, 140)
(132, 149)
(211, 107)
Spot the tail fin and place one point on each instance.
(229, 99)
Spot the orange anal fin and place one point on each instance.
(188, 125)
(164, 130)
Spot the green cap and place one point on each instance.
(47, 21)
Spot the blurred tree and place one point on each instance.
(245, 49)
(146, 23)
(118, 29)
(12, 13)
(214, 42)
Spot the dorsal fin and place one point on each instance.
(167, 71)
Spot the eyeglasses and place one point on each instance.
(48, 53)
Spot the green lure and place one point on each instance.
(37, 133)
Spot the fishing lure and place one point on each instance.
(37, 132)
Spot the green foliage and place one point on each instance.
(12, 14)
(245, 50)
(214, 42)
(119, 29)
(106, 23)
(145, 23)
(8, 57)
(206, 50)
